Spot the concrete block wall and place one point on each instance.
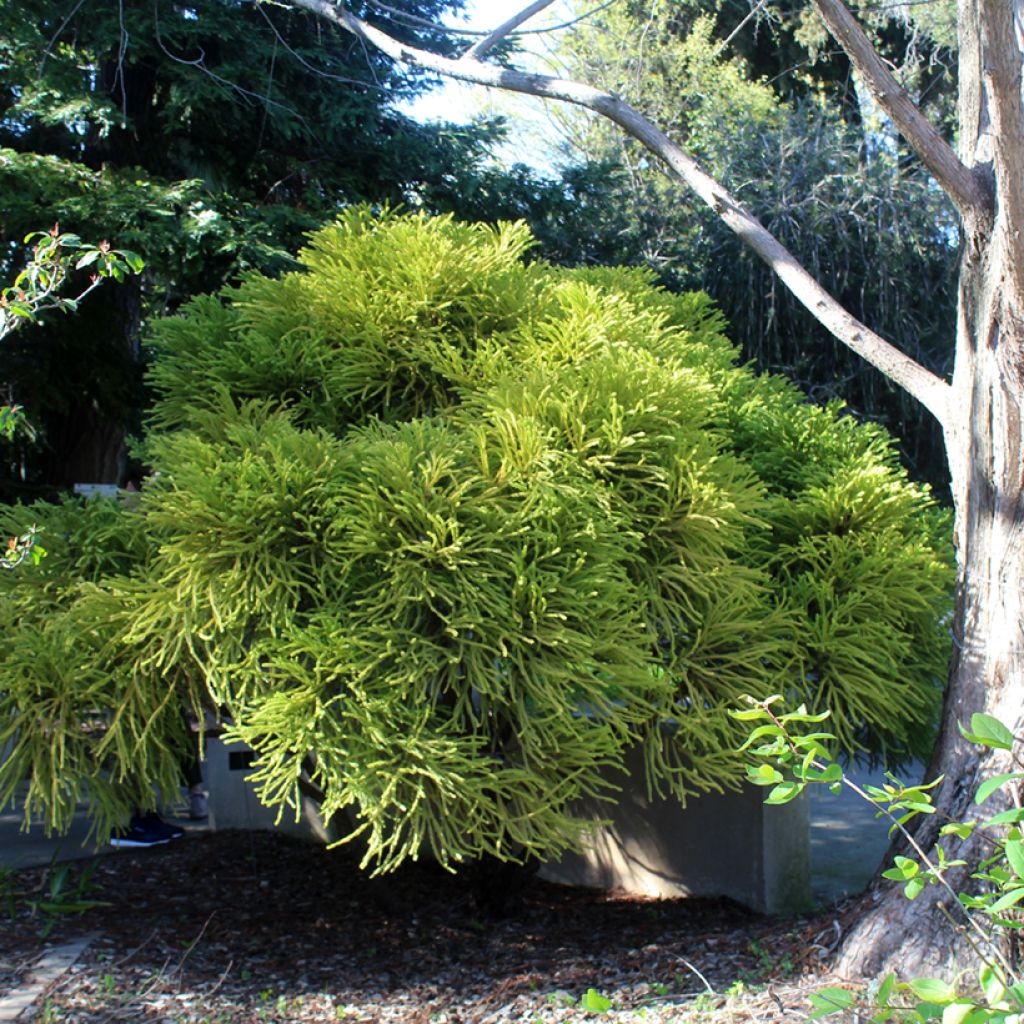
(727, 844)
(233, 800)
(718, 845)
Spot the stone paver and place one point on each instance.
(55, 963)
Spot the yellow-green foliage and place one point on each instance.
(453, 531)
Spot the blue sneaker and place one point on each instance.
(139, 833)
(153, 821)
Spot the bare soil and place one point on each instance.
(245, 927)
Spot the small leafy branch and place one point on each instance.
(20, 548)
(789, 760)
(37, 289)
(13, 421)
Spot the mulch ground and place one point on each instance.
(245, 927)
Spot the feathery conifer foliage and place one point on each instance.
(444, 532)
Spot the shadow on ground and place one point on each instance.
(242, 926)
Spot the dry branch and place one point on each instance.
(477, 50)
(960, 184)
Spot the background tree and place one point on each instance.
(785, 125)
(208, 137)
(980, 411)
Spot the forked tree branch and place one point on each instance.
(411, 19)
(916, 380)
(955, 178)
(477, 50)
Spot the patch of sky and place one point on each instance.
(533, 132)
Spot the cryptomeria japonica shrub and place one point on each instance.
(444, 532)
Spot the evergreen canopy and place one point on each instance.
(449, 531)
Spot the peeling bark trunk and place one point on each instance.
(987, 672)
(983, 441)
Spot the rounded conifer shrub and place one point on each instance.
(443, 533)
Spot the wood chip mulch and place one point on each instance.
(247, 927)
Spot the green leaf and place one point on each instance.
(991, 984)
(831, 1000)
(593, 1002)
(988, 731)
(68, 907)
(87, 259)
(989, 786)
(885, 989)
(879, 795)
(1010, 817)
(784, 792)
(955, 1013)
(764, 775)
(914, 888)
(134, 260)
(917, 807)
(961, 829)
(904, 869)
(933, 990)
(801, 715)
(1010, 899)
(761, 730)
(1015, 855)
(753, 715)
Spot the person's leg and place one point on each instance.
(192, 772)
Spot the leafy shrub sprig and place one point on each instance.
(791, 753)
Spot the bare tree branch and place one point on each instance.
(967, 191)
(477, 50)
(753, 13)
(456, 30)
(915, 379)
(56, 35)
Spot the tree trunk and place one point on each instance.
(983, 441)
(88, 432)
(987, 672)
